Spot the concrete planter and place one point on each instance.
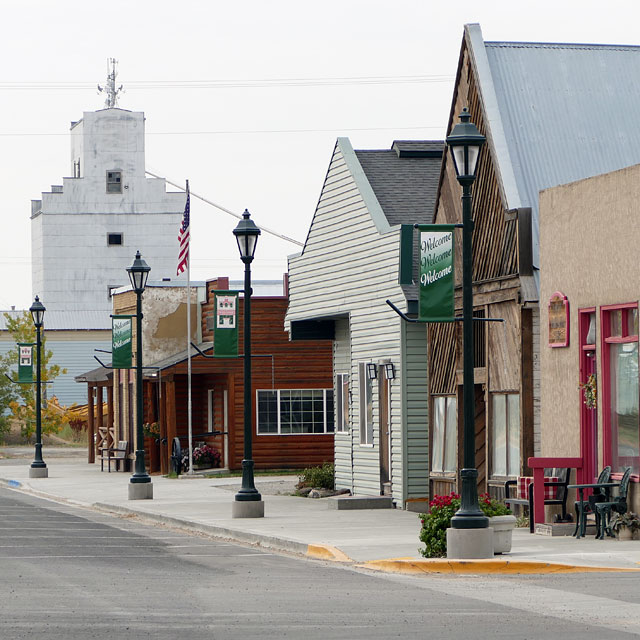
(503, 527)
(625, 533)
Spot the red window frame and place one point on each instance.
(606, 339)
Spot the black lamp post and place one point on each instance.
(38, 466)
(246, 234)
(140, 486)
(465, 142)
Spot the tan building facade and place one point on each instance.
(589, 291)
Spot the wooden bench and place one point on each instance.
(116, 454)
(561, 493)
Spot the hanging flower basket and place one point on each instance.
(589, 390)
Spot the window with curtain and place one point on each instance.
(444, 437)
(366, 405)
(505, 434)
(342, 402)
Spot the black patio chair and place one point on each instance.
(615, 505)
(599, 494)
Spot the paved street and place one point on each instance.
(69, 573)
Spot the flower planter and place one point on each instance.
(625, 533)
(503, 527)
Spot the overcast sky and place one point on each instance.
(206, 75)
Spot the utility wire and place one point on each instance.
(228, 211)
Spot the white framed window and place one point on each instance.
(505, 434)
(114, 181)
(295, 411)
(366, 405)
(444, 439)
(342, 402)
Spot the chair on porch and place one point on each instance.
(600, 494)
(604, 510)
(117, 454)
(555, 492)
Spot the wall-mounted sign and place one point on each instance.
(25, 362)
(436, 273)
(558, 320)
(121, 352)
(225, 326)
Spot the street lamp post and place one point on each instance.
(465, 142)
(140, 487)
(38, 467)
(248, 501)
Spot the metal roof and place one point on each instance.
(67, 320)
(557, 113)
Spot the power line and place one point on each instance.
(243, 131)
(135, 85)
(227, 211)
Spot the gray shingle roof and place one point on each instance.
(404, 179)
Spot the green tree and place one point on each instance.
(22, 405)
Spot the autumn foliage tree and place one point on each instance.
(22, 405)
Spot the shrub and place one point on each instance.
(319, 477)
(441, 509)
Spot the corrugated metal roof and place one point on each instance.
(69, 320)
(566, 111)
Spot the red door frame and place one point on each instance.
(588, 417)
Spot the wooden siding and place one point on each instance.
(496, 290)
(349, 267)
(416, 423)
(277, 364)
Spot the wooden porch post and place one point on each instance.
(170, 417)
(91, 429)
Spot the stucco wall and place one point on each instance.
(589, 237)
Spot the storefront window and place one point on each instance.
(622, 388)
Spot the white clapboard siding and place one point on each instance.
(348, 269)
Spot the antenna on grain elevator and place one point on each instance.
(109, 89)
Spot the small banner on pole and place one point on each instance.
(25, 362)
(436, 273)
(121, 341)
(225, 331)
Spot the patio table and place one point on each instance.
(581, 525)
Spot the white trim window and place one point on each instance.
(294, 411)
(342, 402)
(444, 437)
(366, 405)
(505, 434)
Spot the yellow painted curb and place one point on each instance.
(327, 552)
(497, 566)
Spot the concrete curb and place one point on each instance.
(259, 540)
(483, 567)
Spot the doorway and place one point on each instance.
(385, 433)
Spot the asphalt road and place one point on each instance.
(76, 574)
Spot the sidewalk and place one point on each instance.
(380, 539)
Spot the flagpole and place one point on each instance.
(190, 432)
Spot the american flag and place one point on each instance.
(183, 238)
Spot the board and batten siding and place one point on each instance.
(347, 270)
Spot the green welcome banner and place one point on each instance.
(25, 362)
(121, 342)
(225, 327)
(436, 273)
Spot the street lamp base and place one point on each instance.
(247, 509)
(140, 491)
(38, 472)
(470, 543)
